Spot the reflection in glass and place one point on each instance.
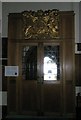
(51, 63)
(29, 63)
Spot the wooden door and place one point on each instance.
(52, 79)
(40, 78)
(28, 86)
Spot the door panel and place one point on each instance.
(29, 97)
(51, 98)
(28, 83)
(52, 79)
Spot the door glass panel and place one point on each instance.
(29, 62)
(51, 63)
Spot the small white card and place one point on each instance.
(78, 90)
(11, 71)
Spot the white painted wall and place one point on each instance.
(76, 10)
(80, 22)
(0, 15)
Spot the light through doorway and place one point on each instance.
(51, 67)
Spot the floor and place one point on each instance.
(22, 117)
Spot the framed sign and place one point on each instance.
(11, 71)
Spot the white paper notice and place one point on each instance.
(11, 71)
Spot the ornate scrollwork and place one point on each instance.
(40, 24)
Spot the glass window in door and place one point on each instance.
(51, 63)
(29, 62)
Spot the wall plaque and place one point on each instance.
(11, 71)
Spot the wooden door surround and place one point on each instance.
(37, 97)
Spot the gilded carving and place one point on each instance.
(40, 24)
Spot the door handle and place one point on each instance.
(40, 80)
